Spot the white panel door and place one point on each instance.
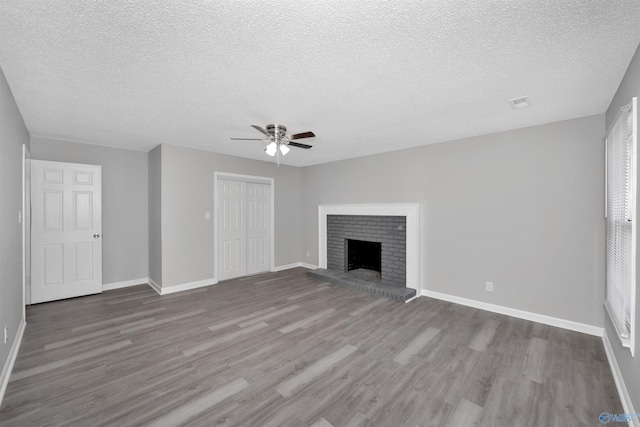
(258, 227)
(232, 231)
(66, 229)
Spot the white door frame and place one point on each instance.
(246, 178)
(25, 217)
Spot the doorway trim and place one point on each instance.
(25, 218)
(245, 178)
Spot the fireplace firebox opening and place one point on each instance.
(361, 254)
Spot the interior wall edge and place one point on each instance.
(11, 360)
(155, 286)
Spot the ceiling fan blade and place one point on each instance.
(302, 135)
(259, 129)
(297, 144)
(247, 139)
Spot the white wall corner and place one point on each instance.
(627, 404)
(125, 284)
(11, 360)
(155, 286)
(186, 286)
(520, 314)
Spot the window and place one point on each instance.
(621, 244)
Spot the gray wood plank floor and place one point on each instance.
(284, 349)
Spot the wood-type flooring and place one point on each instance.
(283, 349)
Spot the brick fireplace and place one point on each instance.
(372, 242)
(394, 226)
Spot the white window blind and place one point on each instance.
(620, 280)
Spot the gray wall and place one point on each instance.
(124, 202)
(629, 366)
(523, 209)
(187, 193)
(13, 134)
(155, 215)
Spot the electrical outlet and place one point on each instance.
(489, 286)
(6, 334)
(308, 254)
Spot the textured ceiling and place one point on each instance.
(366, 76)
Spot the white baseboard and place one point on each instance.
(187, 286)
(521, 314)
(309, 266)
(155, 286)
(294, 265)
(125, 284)
(181, 287)
(11, 360)
(412, 298)
(627, 405)
(285, 267)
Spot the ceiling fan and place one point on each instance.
(278, 140)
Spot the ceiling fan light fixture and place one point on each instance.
(271, 149)
(277, 140)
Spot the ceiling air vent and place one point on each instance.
(518, 103)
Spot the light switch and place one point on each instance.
(207, 215)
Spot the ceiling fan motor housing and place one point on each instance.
(276, 130)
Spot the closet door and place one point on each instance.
(232, 230)
(258, 221)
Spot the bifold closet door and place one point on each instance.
(244, 232)
(258, 221)
(232, 229)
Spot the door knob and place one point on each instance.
(96, 236)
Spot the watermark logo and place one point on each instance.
(606, 418)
